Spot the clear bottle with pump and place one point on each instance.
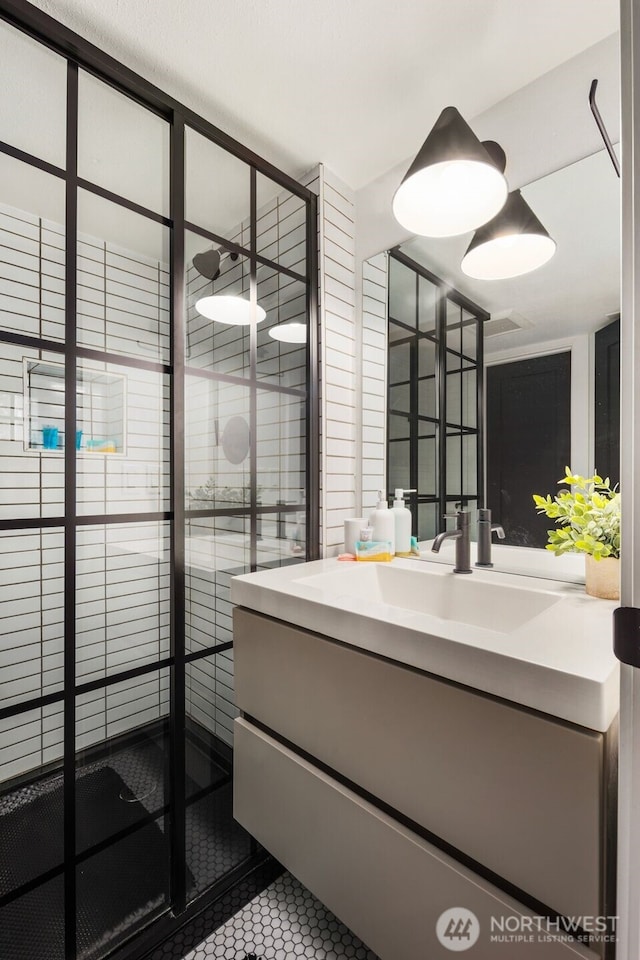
(402, 520)
(383, 523)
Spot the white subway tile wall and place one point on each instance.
(210, 698)
(374, 380)
(339, 351)
(123, 622)
(30, 740)
(124, 408)
(123, 570)
(281, 447)
(123, 301)
(31, 274)
(122, 597)
(217, 548)
(31, 480)
(220, 347)
(217, 413)
(217, 461)
(133, 478)
(111, 711)
(31, 590)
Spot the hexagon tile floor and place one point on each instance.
(284, 922)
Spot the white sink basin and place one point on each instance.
(541, 644)
(448, 596)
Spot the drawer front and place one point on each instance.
(515, 791)
(387, 884)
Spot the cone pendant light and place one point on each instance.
(513, 243)
(453, 185)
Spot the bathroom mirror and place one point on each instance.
(551, 358)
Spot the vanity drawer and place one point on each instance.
(387, 884)
(515, 791)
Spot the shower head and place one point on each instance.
(207, 263)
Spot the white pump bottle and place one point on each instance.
(402, 520)
(383, 522)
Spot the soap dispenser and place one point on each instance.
(402, 520)
(383, 523)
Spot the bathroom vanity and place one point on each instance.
(411, 740)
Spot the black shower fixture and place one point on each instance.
(207, 263)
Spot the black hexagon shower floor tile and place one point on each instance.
(284, 922)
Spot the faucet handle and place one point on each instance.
(461, 517)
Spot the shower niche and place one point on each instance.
(101, 401)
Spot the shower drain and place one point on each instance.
(130, 797)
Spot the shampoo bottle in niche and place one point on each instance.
(383, 523)
(402, 519)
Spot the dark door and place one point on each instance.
(528, 441)
(607, 413)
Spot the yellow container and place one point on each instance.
(374, 550)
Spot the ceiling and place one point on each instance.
(357, 85)
(353, 84)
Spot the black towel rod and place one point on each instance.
(601, 127)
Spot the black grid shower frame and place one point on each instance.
(80, 53)
(254, 383)
(439, 336)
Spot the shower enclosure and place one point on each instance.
(148, 454)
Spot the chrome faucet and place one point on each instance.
(485, 529)
(461, 536)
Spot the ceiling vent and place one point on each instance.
(507, 321)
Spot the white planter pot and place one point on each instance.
(602, 578)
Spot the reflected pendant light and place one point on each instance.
(453, 185)
(513, 243)
(289, 332)
(223, 308)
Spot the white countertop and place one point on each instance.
(559, 662)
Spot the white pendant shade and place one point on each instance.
(449, 198)
(222, 308)
(507, 257)
(513, 243)
(291, 332)
(455, 184)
